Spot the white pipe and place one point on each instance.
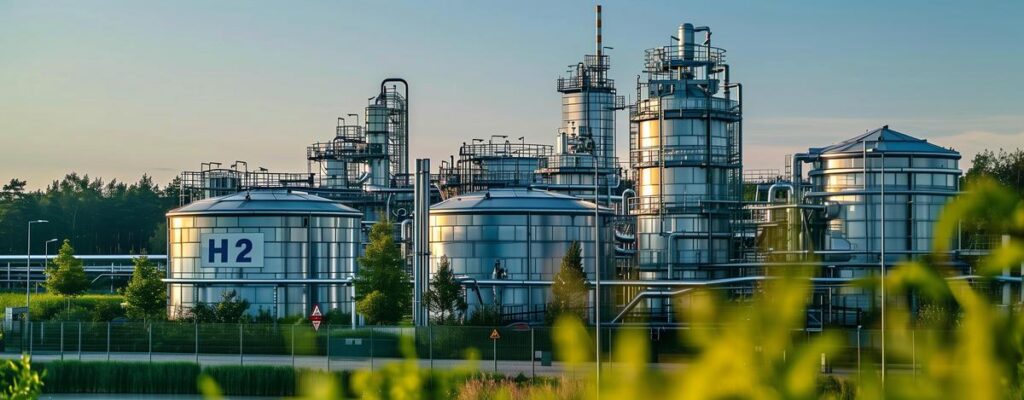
(625, 204)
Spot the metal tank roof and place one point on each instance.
(515, 200)
(266, 201)
(885, 140)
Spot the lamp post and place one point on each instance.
(46, 252)
(28, 266)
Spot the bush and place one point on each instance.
(46, 305)
(118, 377)
(260, 380)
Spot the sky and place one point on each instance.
(118, 89)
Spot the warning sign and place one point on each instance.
(495, 335)
(316, 317)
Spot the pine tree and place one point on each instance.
(383, 293)
(569, 289)
(445, 298)
(146, 295)
(65, 276)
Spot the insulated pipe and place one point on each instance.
(771, 194)
(625, 203)
(644, 294)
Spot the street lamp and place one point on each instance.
(28, 264)
(46, 251)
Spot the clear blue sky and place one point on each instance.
(117, 89)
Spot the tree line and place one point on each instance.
(98, 217)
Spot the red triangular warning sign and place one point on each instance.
(495, 335)
(316, 317)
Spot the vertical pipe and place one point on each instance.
(882, 260)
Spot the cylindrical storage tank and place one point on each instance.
(281, 250)
(920, 178)
(526, 231)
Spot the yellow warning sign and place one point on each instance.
(495, 335)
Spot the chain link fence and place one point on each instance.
(518, 349)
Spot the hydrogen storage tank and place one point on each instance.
(281, 250)
(525, 232)
(886, 206)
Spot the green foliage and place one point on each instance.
(1006, 168)
(485, 315)
(99, 217)
(445, 298)
(146, 295)
(231, 309)
(66, 276)
(262, 380)
(18, 380)
(119, 377)
(45, 306)
(569, 290)
(383, 293)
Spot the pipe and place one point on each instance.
(672, 248)
(771, 196)
(645, 294)
(625, 204)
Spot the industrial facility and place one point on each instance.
(680, 213)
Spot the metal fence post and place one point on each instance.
(241, 343)
(197, 341)
(62, 340)
(495, 354)
(30, 338)
(150, 327)
(328, 348)
(533, 355)
(79, 341)
(913, 352)
(108, 341)
(293, 345)
(371, 348)
(430, 344)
